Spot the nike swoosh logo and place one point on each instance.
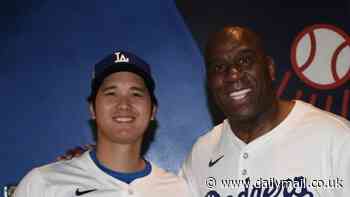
(211, 162)
(79, 193)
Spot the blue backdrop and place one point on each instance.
(46, 57)
(48, 49)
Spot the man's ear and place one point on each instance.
(154, 112)
(92, 111)
(271, 67)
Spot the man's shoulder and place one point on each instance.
(60, 169)
(160, 177)
(312, 114)
(204, 147)
(40, 178)
(209, 140)
(325, 125)
(162, 174)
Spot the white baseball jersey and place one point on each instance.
(81, 177)
(308, 154)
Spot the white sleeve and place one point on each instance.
(342, 168)
(32, 185)
(187, 173)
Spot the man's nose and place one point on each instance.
(123, 103)
(233, 73)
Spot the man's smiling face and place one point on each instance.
(239, 73)
(123, 108)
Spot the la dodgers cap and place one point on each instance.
(121, 61)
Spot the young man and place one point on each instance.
(122, 104)
(265, 146)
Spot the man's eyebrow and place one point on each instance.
(142, 89)
(249, 51)
(108, 87)
(214, 60)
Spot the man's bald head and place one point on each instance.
(234, 35)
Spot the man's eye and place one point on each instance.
(219, 68)
(109, 93)
(137, 94)
(245, 61)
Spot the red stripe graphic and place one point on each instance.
(313, 99)
(283, 83)
(345, 106)
(329, 102)
(299, 94)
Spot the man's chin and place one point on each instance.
(243, 117)
(242, 114)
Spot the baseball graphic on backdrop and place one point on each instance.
(321, 56)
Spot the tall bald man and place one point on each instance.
(265, 146)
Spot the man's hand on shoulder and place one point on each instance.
(75, 152)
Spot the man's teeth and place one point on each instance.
(239, 94)
(123, 119)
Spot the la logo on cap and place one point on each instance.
(120, 57)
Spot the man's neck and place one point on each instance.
(251, 129)
(120, 157)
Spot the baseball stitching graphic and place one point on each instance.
(321, 56)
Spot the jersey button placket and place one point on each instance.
(243, 163)
(245, 155)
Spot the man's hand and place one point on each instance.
(75, 152)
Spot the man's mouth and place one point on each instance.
(240, 94)
(123, 119)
